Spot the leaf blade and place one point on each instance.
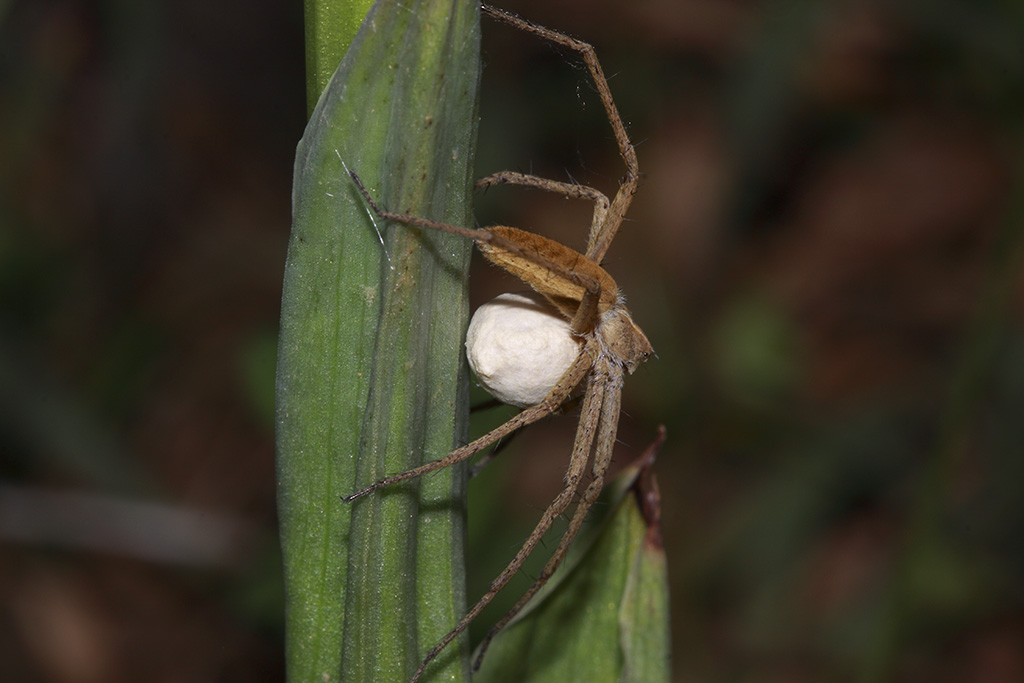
(370, 372)
(602, 616)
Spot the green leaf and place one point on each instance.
(371, 378)
(604, 614)
(330, 27)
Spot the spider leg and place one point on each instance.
(482, 237)
(488, 457)
(558, 395)
(586, 316)
(590, 415)
(570, 190)
(600, 237)
(611, 403)
(499, 447)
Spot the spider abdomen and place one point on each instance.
(552, 269)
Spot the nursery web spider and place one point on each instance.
(610, 343)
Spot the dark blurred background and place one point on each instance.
(825, 252)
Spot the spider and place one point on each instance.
(610, 343)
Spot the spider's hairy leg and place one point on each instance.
(524, 418)
(590, 415)
(608, 378)
(570, 190)
(475, 235)
(586, 316)
(558, 395)
(518, 250)
(600, 237)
